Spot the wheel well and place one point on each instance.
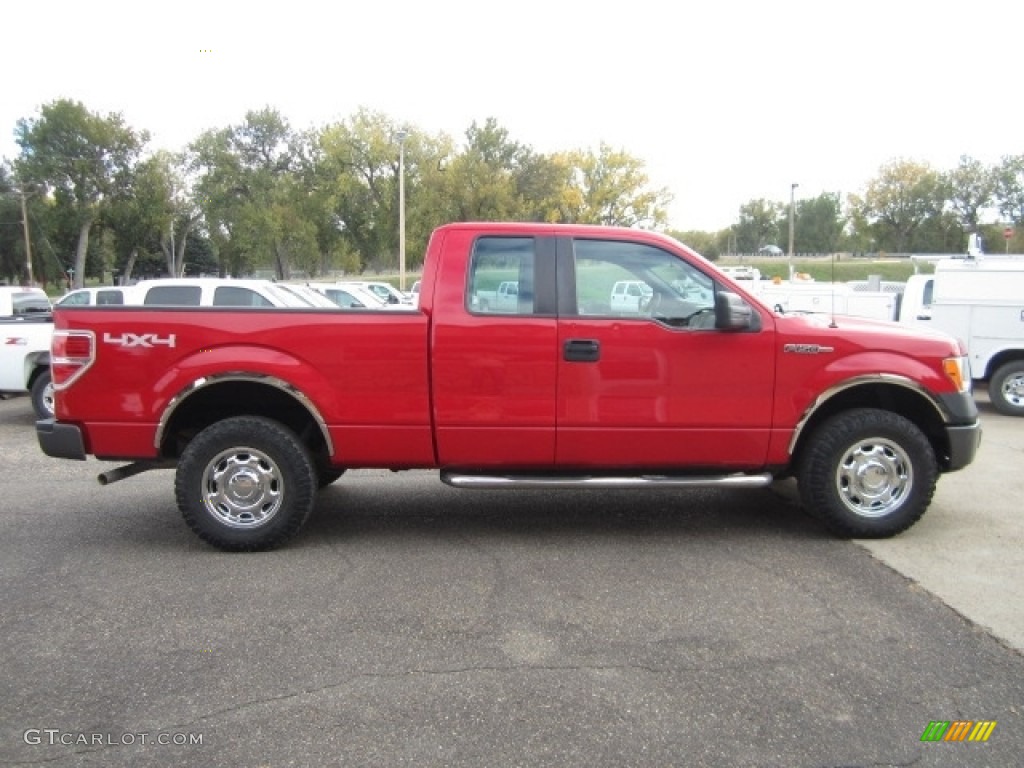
(999, 360)
(889, 397)
(240, 398)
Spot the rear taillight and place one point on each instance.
(71, 354)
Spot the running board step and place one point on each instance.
(736, 480)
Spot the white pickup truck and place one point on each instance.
(26, 326)
(505, 299)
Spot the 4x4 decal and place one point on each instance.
(139, 340)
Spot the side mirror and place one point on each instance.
(732, 313)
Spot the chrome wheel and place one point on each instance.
(874, 477)
(242, 488)
(48, 399)
(1012, 390)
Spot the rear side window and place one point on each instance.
(236, 296)
(174, 295)
(109, 297)
(30, 303)
(501, 278)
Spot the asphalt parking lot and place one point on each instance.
(413, 624)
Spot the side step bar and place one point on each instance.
(490, 482)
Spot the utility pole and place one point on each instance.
(401, 136)
(28, 246)
(792, 218)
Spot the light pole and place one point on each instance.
(28, 244)
(792, 218)
(401, 136)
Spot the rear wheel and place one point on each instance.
(1006, 388)
(42, 395)
(868, 473)
(245, 483)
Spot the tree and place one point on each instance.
(1009, 188)
(818, 224)
(249, 191)
(758, 225)
(482, 179)
(898, 202)
(612, 188)
(707, 244)
(83, 158)
(971, 187)
(359, 166)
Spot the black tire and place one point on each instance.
(867, 473)
(246, 483)
(1006, 388)
(42, 395)
(327, 475)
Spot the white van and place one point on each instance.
(981, 301)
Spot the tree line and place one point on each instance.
(87, 197)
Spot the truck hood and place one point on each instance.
(866, 332)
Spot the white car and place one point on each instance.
(386, 291)
(312, 297)
(353, 296)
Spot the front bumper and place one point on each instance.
(963, 445)
(61, 441)
(963, 430)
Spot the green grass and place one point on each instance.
(840, 271)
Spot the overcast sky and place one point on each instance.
(724, 101)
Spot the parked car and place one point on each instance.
(313, 297)
(352, 296)
(385, 291)
(104, 295)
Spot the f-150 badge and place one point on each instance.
(807, 349)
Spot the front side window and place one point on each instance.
(501, 276)
(75, 299)
(635, 280)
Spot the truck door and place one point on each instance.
(494, 363)
(658, 386)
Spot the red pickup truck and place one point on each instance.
(699, 384)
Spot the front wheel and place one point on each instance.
(1006, 388)
(245, 483)
(867, 473)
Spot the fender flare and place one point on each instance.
(219, 378)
